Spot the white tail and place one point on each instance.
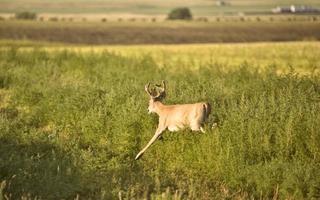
(174, 117)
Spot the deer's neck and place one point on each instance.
(159, 107)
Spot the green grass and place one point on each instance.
(72, 120)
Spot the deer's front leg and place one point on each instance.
(153, 139)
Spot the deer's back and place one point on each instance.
(185, 114)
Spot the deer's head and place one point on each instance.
(156, 94)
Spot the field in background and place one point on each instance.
(145, 7)
(235, 29)
(227, 56)
(72, 119)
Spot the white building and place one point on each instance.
(295, 9)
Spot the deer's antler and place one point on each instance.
(153, 93)
(162, 88)
(146, 88)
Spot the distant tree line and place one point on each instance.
(182, 13)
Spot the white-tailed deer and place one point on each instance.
(174, 117)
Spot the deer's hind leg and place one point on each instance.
(196, 127)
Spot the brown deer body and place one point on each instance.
(175, 117)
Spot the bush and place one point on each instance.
(26, 15)
(180, 13)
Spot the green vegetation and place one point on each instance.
(168, 32)
(26, 15)
(180, 13)
(73, 118)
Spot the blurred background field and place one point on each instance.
(144, 7)
(146, 22)
(73, 111)
(160, 32)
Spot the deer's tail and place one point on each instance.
(207, 109)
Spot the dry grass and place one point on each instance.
(199, 7)
(158, 33)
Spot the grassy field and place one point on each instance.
(72, 119)
(160, 32)
(155, 7)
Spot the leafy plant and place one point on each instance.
(180, 13)
(26, 15)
